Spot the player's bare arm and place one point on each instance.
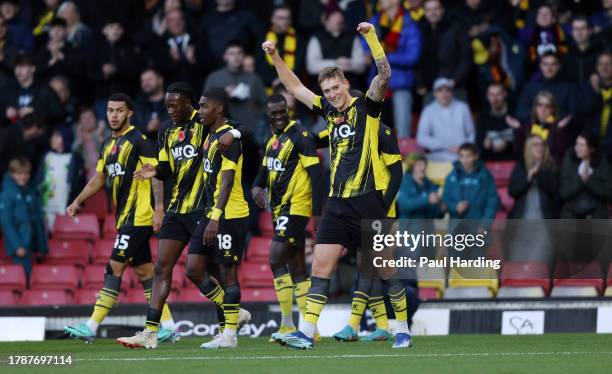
(212, 229)
(95, 184)
(158, 194)
(378, 86)
(147, 171)
(288, 77)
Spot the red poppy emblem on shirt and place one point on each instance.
(339, 120)
(115, 149)
(206, 144)
(275, 144)
(181, 136)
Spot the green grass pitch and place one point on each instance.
(551, 353)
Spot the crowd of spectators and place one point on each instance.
(472, 81)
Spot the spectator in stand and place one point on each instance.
(187, 63)
(546, 36)
(89, 138)
(401, 41)
(26, 95)
(599, 100)
(418, 197)
(602, 21)
(494, 135)
(498, 59)
(334, 46)
(150, 109)
(534, 183)
(59, 85)
(19, 30)
(579, 62)
(446, 51)
(57, 56)
(289, 44)
(469, 190)
(551, 81)
(79, 34)
(586, 178)
(21, 216)
(9, 49)
(248, 64)
(246, 91)
(156, 23)
(228, 24)
(44, 18)
(25, 140)
(546, 123)
(476, 16)
(445, 124)
(113, 65)
(60, 177)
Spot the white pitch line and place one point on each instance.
(306, 356)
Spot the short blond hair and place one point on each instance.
(330, 72)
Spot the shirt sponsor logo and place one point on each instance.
(184, 152)
(274, 164)
(115, 170)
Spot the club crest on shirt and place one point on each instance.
(181, 136)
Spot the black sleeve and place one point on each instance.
(315, 180)
(373, 108)
(246, 133)
(321, 139)
(163, 170)
(518, 184)
(395, 180)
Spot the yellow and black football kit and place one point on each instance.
(180, 157)
(388, 150)
(285, 172)
(357, 171)
(119, 158)
(233, 223)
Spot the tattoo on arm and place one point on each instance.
(158, 192)
(379, 84)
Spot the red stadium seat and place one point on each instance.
(501, 171)
(257, 294)
(94, 277)
(54, 277)
(577, 274)
(4, 258)
(83, 226)
(102, 251)
(12, 277)
(259, 249)
(68, 252)
(109, 230)
(45, 297)
(8, 298)
(265, 224)
(505, 199)
(97, 205)
(130, 279)
(191, 295)
(610, 275)
(255, 275)
(526, 274)
(86, 296)
(429, 293)
(408, 145)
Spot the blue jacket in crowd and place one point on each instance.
(405, 58)
(477, 188)
(413, 199)
(21, 217)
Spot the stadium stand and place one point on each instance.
(83, 226)
(12, 278)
